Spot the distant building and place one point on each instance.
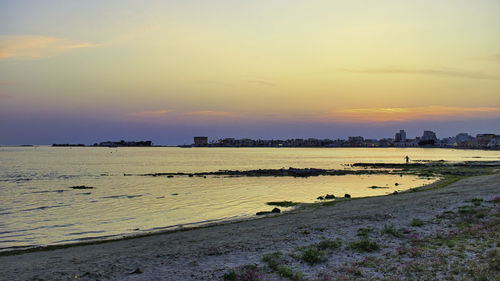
(401, 136)
(463, 137)
(494, 143)
(356, 141)
(200, 141)
(429, 135)
(482, 140)
(428, 139)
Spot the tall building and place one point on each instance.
(429, 136)
(200, 141)
(401, 136)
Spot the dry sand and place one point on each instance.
(207, 253)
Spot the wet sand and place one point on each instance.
(207, 253)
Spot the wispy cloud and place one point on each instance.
(374, 115)
(27, 46)
(405, 114)
(426, 71)
(151, 114)
(212, 113)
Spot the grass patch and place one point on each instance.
(247, 273)
(363, 232)
(288, 272)
(477, 201)
(329, 244)
(391, 229)
(312, 255)
(364, 245)
(417, 222)
(467, 210)
(282, 203)
(273, 260)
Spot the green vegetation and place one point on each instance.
(363, 232)
(273, 260)
(282, 203)
(288, 272)
(391, 229)
(477, 201)
(364, 245)
(329, 244)
(312, 255)
(467, 210)
(417, 222)
(246, 273)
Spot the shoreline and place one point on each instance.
(217, 249)
(442, 182)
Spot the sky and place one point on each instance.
(90, 71)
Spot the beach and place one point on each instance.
(233, 249)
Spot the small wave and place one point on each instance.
(84, 232)
(12, 241)
(103, 237)
(46, 191)
(15, 179)
(42, 208)
(122, 196)
(68, 176)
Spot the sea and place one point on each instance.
(39, 208)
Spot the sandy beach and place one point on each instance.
(404, 227)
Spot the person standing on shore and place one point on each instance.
(407, 159)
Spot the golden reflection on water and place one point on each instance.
(39, 208)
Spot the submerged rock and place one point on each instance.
(330, 196)
(378, 187)
(81, 187)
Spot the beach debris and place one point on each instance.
(170, 176)
(396, 184)
(174, 194)
(137, 271)
(276, 210)
(81, 187)
(330, 196)
(347, 195)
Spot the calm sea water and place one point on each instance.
(38, 207)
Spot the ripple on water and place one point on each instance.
(43, 208)
(122, 196)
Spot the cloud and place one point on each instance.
(149, 114)
(406, 114)
(426, 71)
(27, 46)
(212, 113)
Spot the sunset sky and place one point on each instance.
(89, 71)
